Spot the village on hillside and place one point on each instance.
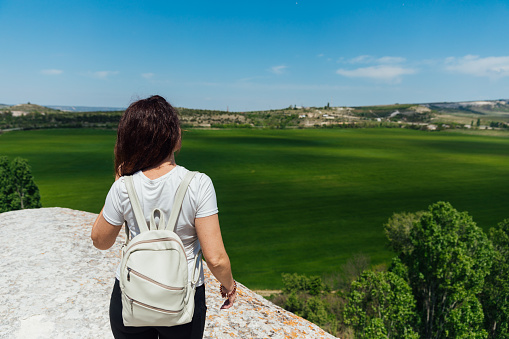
(481, 115)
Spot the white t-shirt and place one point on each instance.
(199, 201)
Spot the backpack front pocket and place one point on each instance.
(131, 272)
(137, 313)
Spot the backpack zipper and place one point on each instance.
(159, 239)
(150, 307)
(129, 270)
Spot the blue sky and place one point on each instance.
(250, 55)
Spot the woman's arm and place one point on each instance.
(215, 254)
(103, 233)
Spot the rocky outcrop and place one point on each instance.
(55, 284)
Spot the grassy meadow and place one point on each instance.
(293, 200)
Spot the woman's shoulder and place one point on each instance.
(200, 179)
(182, 171)
(119, 186)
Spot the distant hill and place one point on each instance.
(86, 108)
(483, 107)
(31, 108)
(484, 114)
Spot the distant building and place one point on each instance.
(18, 113)
(393, 114)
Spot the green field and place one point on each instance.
(294, 200)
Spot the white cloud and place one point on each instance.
(320, 55)
(278, 69)
(386, 73)
(257, 77)
(368, 59)
(492, 67)
(102, 74)
(362, 59)
(390, 60)
(52, 71)
(147, 75)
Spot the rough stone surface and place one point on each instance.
(55, 284)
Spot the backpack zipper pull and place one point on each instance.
(131, 305)
(129, 276)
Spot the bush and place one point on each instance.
(17, 187)
(381, 305)
(301, 283)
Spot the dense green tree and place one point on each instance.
(17, 187)
(397, 230)
(448, 262)
(294, 304)
(495, 296)
(25, 191)
(301, 283)
(5, 185)
(309, 297)
(375, 329)
(315, 311)
(381, 305)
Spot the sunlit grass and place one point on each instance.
(293, 200)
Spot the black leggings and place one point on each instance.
(194, 329)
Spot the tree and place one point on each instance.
(448, 262)
(397, 230)
(375, 329)
(26, 192)
(495, 296)
(5, 185)
(381, 305)
(351, 270)
(305, 296)
(301, 283)
(315, 311)
(17, 187)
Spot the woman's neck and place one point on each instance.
(160, 169)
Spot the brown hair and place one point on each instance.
(148, 133)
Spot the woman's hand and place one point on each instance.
(232, 295)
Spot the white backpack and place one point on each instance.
(153, 270)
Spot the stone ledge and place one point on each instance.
(55, 284)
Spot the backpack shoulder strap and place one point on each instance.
(135, 203)
(179, 198)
